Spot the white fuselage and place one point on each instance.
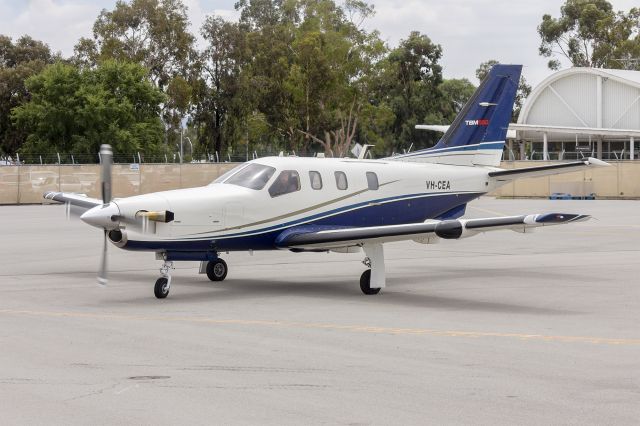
(226, 216)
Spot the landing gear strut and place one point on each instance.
(217, 270)
(163, 284)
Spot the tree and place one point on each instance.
(332, 56)
(524, 89)
(18, 61)
(74, 111)
(407, 82)
(589, 33)
(222, 100)
(153, 33)
(302, 71)
(454, 94)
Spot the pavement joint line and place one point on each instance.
(339, 327)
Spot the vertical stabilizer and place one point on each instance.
(477, 135)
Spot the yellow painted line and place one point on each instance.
(336, 327)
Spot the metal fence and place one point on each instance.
(141, 158)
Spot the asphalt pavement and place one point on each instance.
(500, 328)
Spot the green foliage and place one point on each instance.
(301, 75)
(153, 33)
(302, 66)
(74, 111)
(454, 94)
(18, 62)
(222, 94)
(589, 33)
(407, 82)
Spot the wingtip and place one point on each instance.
(598, 163)
(556, 218)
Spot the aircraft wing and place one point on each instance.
(313, 238)
(78, 203)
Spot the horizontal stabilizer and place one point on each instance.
(552, 169)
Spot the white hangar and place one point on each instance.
(581, 112)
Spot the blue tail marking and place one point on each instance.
(486, 116)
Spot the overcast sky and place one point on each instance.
(469, 31)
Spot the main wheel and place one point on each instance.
(217, 270)
(161, 289)
(365, 283)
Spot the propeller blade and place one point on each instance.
(106, 158)
(102, 273)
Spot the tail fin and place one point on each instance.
(477, 135)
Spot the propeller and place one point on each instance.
(106, 160)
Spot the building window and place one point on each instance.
(316, 180)
(372, 181)
(287, 181)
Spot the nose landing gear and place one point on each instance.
(163, 284)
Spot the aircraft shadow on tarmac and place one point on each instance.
(343, 290)
(410, 291)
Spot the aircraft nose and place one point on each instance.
(106, 216)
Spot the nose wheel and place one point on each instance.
(217, 270)
(161, 289)
(163, 284)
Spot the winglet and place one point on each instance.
(598, 163)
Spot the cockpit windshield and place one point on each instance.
(228, 173)
(254, 176)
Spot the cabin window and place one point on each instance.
(316, 180)
(254, 176)
(341, 180)
(372, 181)
(286, 182)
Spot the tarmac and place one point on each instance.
(500, 328)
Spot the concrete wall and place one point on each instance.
(621, 180)
(25, 184)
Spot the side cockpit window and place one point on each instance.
(287, 181)
(316, 180)
(341, 181)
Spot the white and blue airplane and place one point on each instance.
(329, 204)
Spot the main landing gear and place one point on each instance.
(217, 270)
(373, 279)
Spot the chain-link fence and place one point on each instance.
(140, 158)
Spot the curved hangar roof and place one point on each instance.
(584, 101)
